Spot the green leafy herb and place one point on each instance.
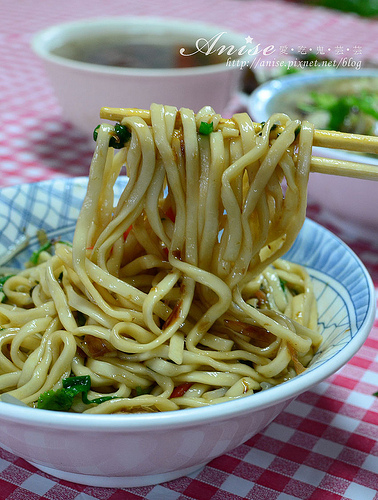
(59, 400)
(3, 279)
(35, 255)
(68, 243)
(283, 284)
(62, 399)
(366, 102)
(140, 391)
(206, 128)
(119, 138)
(340, 108)
(339, 111)
(95, 132)
(297, 130)
(81, 318)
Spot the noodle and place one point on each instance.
(176, 295)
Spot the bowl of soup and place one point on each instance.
(343, 100)
(135, 61)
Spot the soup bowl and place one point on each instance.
(141, 449)
(353, 199)
(80, 60)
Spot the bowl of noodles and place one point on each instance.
(162, 311)
(133, 61)
(345, 100)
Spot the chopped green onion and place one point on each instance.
(35, 255)
(81, 318)
(206, 128)
(77, 384)
(96, 401)
(140, 391)
(117, 140)
(283, 284)
(123, 135)
(95, 132)
(3, 279)
(59, 400)
(62, 399)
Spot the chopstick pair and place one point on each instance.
(322, 138)
(350, 142)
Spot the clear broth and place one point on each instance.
(128, 52)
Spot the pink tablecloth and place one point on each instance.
(324, 445)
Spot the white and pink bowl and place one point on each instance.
(82, 88)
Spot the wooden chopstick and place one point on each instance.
(322, 138)
(342, 140)
(332, 166)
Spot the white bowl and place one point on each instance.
(353, 199)
(135, 450)
(82, 88)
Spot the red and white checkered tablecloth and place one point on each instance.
(325, 444)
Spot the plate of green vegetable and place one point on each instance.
(345, 100)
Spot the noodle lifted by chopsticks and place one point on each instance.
(174, 296)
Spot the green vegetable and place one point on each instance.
(3, 279)
(35, 255)
(59, 400)
(339, 111)
(206, 128)
(140, 391)
(339, 108)
(81, 318)
(117, 140)
(291, 71)
(62, 399)
(95, 132)
(366, 102)
(283, 284)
